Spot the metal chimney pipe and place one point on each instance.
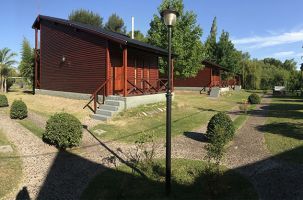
(133, 28)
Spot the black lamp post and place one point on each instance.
(170, 18)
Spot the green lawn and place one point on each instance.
(32, 127)
(188, 182)
(10, 169)
(190, 110)
(241, 119)
(284, 128)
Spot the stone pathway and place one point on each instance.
(272, 178)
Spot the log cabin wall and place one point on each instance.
(84, 68)
(202, 79)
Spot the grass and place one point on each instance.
(240, 120)
(46, 105)
(10, 169)
(32, 127)
(284, 128)
(190, 110)
(188, 182)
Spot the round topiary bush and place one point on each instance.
(63, 130)
(220, 124)
(254, 99)
(3, 101)
(18, 110)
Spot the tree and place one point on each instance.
(27, 63)
(289, 65)
(211, 43)
(86, 17)
(227, 55)
(186, 41)
(6, 61)
(138, 35)
(116, 24)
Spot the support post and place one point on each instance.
(168, 119)
(36, 62)
(107, 69)
(172, 74)
(125, 71)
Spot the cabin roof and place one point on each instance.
(211, 64)
(117, 37)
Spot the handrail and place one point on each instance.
(148, 83)
(134, 87)
(164, 84)
(94, 96)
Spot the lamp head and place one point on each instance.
(169, 16)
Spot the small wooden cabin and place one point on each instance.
(209, 76)
(77, 58)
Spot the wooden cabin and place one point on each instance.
(74, 58)
(209, 76)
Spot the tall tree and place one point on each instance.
(211, 43)
(116, 24)
(227, 54)
(86, 17)
(26, 66)
(138, 35)
(186, 41)
(6, 62)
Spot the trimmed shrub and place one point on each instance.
(63, 130)
(222, 122)
(18, 110)
(254, 99)
(3, 101)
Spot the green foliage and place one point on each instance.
(18, 110)
(6, 61)
(116, 24)
(186, 41)
(138, 35)
(3, 101)
(86, 17)
(227, 54)
(26, 66)
(254, 99)
(9, 83)
(220, 128)
(63, 130)
(211, 43)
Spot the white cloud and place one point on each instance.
(273, 40)
(284, 54)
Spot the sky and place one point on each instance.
(264, 28)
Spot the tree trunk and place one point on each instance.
(1, 88)
(5, 85)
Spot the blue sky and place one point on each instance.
(264, 28)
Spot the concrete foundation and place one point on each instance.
(130, 102)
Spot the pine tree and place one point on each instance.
(26, 66)
(86, 17)
(116, 24)
(211, 43)
(186, 41)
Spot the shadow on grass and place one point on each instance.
(70, 175)
(292, 130)
(152, 128)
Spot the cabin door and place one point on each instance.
(117, 73)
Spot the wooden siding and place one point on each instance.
(85, 67)
(202, 79)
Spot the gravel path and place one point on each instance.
(50, 174)
(272, 178)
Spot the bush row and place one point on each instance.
(62, 130)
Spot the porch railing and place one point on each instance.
(94, 97)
